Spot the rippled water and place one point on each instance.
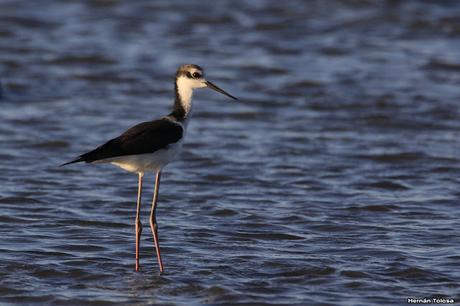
(334, 180)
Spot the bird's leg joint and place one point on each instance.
(138, 226)
(153, 224)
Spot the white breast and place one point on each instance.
(146, 162)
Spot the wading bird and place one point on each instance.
(151, 145)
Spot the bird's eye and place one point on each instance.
(196, 75)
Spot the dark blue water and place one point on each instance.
(334, 180)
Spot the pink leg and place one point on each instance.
(138, 221)
(153, 221)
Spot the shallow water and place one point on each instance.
(334, 180)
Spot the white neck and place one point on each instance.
(185, 92)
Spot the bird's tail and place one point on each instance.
(80, 159)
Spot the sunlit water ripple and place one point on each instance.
(333, 181)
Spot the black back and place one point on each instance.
(145, 137)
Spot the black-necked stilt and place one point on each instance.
(151, 145)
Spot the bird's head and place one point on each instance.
(189, 77)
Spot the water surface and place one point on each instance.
(334, 180)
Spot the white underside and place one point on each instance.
(142, 163)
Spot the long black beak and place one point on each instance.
(212, 86)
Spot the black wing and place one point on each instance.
(146, 137)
